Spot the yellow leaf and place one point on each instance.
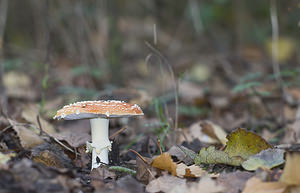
(165, 162)
(243, 143)
(291, 171)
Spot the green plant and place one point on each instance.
(162, 130)
(45, 85)
(192, 111)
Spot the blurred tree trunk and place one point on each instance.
(3, 14)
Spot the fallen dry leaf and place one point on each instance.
(268, 159)
(145, 172)
(256, 185)
(244, 144)
(165, 183)
(30, 113)
(75, 139)
(214, 131)
(234, 182)
(291, 171)
(206, 185)
(193, 171)
(165, 162)
(48, 158)
(28, 138)
(102, 173)
(51, 154)
(206, 132)
(180, 155)
(240, 145)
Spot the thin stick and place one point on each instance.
(40, 125)
(117, 133)
(275, 63)
(140, 156)
(60, 143)
(157, 52)
(158, 143)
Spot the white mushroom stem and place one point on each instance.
(100, 141)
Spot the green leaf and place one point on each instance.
(251, 76)
(243, 86)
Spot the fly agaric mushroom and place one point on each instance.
(99, 113)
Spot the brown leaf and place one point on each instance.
(30, 113)
(206, 185)
(74, 138)
(206, 132)
(255, 185)
(28, 138)
(101, 173)
(165, 183)
(214, 131)
(234, 182)
(51, 154)
(165, 162)
(145, 172)
(48, 158)
(291, 171)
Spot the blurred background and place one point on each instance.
(181, 59)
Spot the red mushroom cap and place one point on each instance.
(98, 109)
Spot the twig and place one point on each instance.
(157, 52)
(40, 125)
(60, 143)
(117, 133)
(275, 63)
(140, 156)
(3, 15)
(159, 146)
